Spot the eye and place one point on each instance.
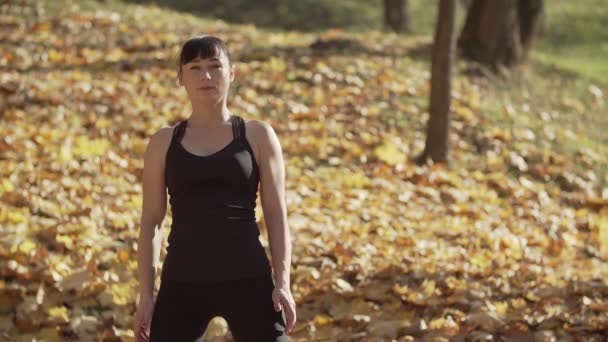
(216, 66)
(194, 67)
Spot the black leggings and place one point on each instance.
(182, 311)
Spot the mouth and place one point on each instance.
(205, 88)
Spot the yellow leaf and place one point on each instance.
(59, 314)
(494, 161)
(65, 153)
(445, 324)
(532, 296)
(602, 225)
(65, 240)
(138, 146)
(27, 246)
(123, 256)
(115, 55)
(103, 123)
(90, 147)
(318, 96)
(513, 246)
(367, 137)
(390, 153)
(6, 185)
(582, 213)
(464, 113)
(121, 294)
(322, 319)
(373, 111)
(481, 259)
(15, 216)
(501, 307)
(428, 287)
(355, 180)
(132, 264)
(277, 64)
(55, 56)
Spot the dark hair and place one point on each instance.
(203, 47)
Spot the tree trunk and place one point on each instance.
(396, 15)
(531, 14)
(500, 32)
(437, 137)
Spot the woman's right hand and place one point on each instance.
(142, 319)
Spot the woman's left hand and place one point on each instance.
(281, 296)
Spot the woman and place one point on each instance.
(211, 165)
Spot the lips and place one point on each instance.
(207, 87)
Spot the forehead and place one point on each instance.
(219, 56)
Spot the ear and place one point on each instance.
(232, 73)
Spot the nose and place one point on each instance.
(206, 75)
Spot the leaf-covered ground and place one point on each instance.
(509, 243)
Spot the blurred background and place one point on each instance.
(570, 30)
(447, 161)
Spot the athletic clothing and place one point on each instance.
(183, 310)
(215, 264)
(214, 235)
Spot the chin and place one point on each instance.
(208, 99)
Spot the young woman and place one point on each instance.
(211, 165)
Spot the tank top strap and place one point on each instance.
(178, 131)
(238, 126)
(235, 129)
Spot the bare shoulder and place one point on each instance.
(259, 129)
(257, 124)
(159, 141)
(261, 137)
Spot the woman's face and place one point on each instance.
(207, 80)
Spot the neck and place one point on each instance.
(208, 115)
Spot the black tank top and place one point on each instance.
(214, 235)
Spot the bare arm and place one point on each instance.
(154, 206)
(272, 193)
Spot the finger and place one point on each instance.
(291, 315)
(276, 299)
(144, 335)
(144, 332)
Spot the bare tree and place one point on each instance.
(396, 15)
(437, 144)
(500, 32)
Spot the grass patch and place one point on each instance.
(575, 37)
